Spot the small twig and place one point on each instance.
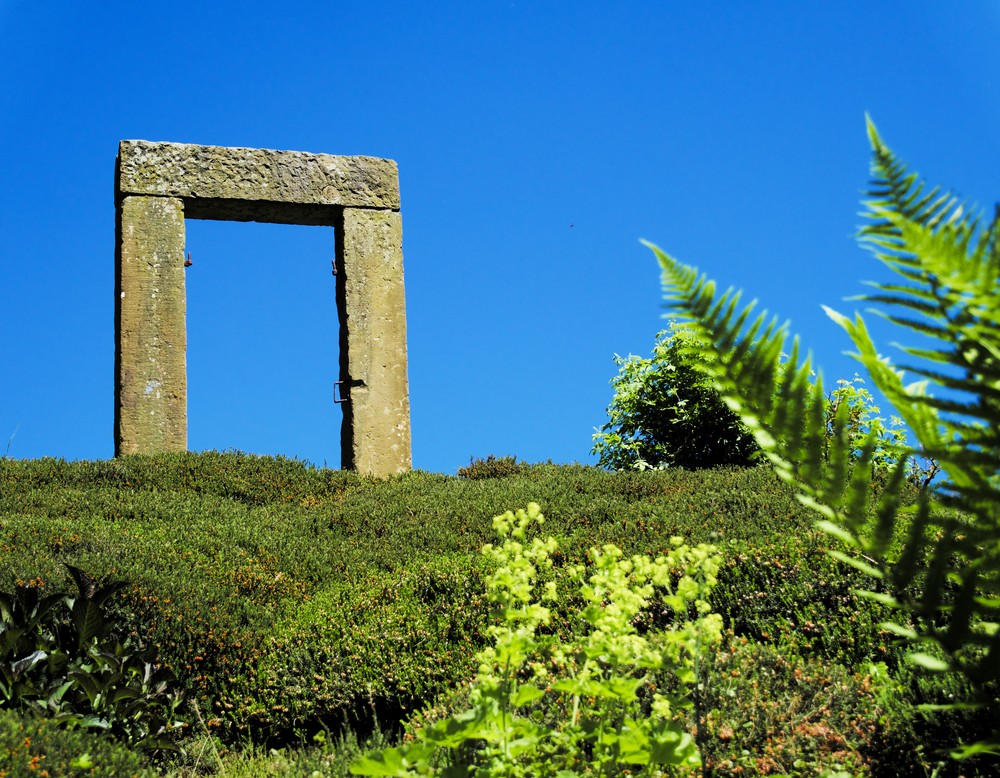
(11, 440)
(211, 740)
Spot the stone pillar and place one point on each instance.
(375, 437)
(151, 388)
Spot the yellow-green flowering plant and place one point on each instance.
(580, 706)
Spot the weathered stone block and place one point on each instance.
(255, 175)
(151, 389)
(372, 307)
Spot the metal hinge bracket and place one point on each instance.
(341, 399)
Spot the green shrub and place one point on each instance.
(774, 712)
(245, 478)
(372, 649)
(796, 595)
(543, 705)
(35, 748)
(666, 413)
(61, 657)
(246, 597)
(491, 467)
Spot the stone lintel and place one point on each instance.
(220, 173)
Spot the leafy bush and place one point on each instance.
(863, 423)
(491, 467)
(60, 657)
(666, 413)
(33, 747)
(937, 564)
(776, 712)
(248, 592)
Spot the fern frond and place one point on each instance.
(946, 571)
(914, 297)
(745, 358)
(896, 194)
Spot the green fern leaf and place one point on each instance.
(946, 571)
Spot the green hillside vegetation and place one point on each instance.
(295, 603)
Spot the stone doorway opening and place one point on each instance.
(261, 373)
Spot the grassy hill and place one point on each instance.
(292, 601)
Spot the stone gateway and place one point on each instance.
(159, 185)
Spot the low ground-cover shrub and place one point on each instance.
(32, 747)
(242, 586)
(492, 467)
(776, 712)
(796, 595)
(247, 478)
(371, 650)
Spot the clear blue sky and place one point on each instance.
(537, 142)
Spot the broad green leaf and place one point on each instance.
(400, 761)
(634, 744)
(673, 747)
(55, 698)
(453, 731)
(22, 666)
(896, 629)
(625, 689)
(94, 722)
(525, 694)
(928, 662)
